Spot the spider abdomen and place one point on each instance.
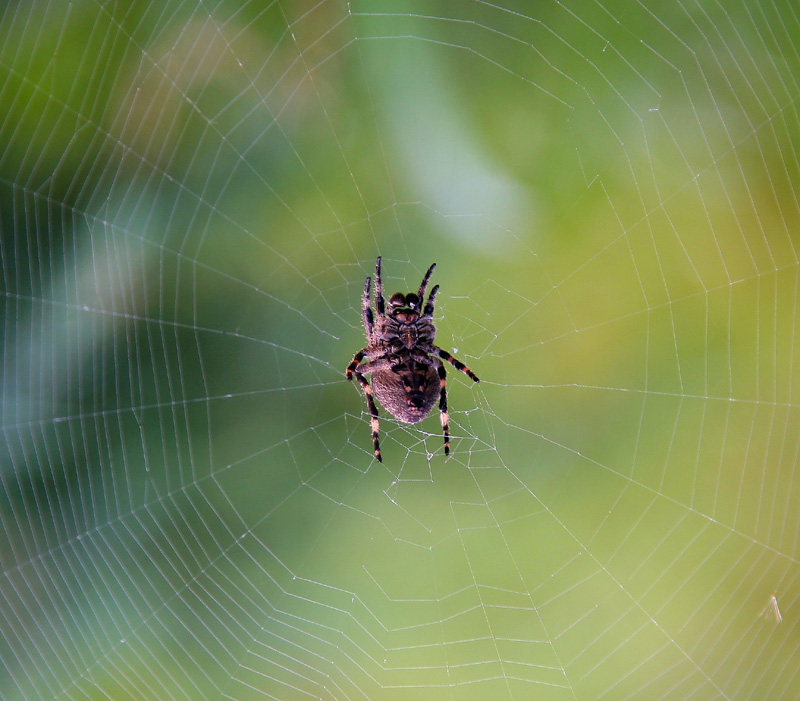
(408, 392)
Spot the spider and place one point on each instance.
(406, 366)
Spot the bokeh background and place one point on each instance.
(191, 195)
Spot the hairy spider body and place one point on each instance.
(406, 366)
(408, 392)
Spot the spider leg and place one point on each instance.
(443, 415)
(424, 284)
(366, 311)
(373, 411)
(378, 288)
(357, 358)
(428, 311)
(379, 364)
(370, 353)
(444, 355)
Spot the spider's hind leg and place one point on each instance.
(373, 411)
(357, 358)
(443, 415)
(457, 364)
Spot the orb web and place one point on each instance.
(191, 195)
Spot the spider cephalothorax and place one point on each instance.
(406, 366)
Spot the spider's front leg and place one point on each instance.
(428, 311)
(379, 307)
(424, 284)
(366, 312)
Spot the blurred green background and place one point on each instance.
(191, 195)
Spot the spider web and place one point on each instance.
(191, 195)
